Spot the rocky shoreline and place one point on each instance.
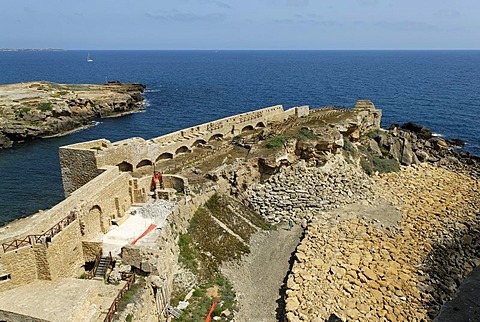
(43, 109)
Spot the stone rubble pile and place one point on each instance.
(364, 273)
(157, 211)
(300, 193)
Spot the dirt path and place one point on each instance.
(258, 279)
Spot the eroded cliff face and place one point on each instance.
(42, 109)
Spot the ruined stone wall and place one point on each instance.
(112, 199)
(80, 161)
(96, 203)
(298, 111)
(65, 253)
(99, 193)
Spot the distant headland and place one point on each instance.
(31, 49)
(41, 109)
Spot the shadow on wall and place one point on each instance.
(448, 263)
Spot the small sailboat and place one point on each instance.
(89, 60)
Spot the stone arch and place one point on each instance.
(94, 221)
(182, 149)
(125, 166)
(199, 142)
(143, 163)
(260, 124)
(164, 156)
(217, 136)
(247, 128)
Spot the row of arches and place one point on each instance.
(128, 167)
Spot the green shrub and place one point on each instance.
(348, 146)
(373, 134)
(366, 166)
(385, 165)
(45, 107)
(306, 134)
(276, 142)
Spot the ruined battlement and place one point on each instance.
(84, 161)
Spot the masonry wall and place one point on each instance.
(73, 160)
(22, 267)
(65, 254)
(91, 249)
(17, 317)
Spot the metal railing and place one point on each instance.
(118, 298)
(40, 239)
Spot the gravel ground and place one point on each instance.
(258, 278)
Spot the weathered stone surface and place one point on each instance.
(367, 273)
(39, 109)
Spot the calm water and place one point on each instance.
(439, 89)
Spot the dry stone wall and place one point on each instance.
(300, 192)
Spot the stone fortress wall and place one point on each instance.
(83, 161)
(99, 190)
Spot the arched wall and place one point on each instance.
(143, 163)
(91, 222)
(125, 166)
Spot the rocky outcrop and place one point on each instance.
(42, 109)
(412, 144)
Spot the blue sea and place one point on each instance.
(438, 89)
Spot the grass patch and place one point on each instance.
(214, 243)
(200, 303)
(221, 209)
(206, 245)
(45, 107)
(188, 252)
(131, 295)
(276, 142)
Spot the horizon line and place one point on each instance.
(238, 49)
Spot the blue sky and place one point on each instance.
(245, 24)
